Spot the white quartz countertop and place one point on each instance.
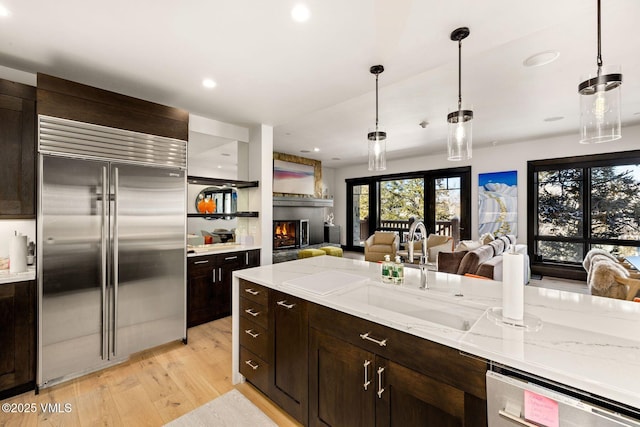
(218, 248)
(6, 277)
(589, 343)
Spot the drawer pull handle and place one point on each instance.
(252, 292)
(366, 337)
(252, 365)
(515, 419)
(284, 304)
(251, 312)
(367, 381)
(380, 388)
(206, 261)
(229, 258)
(250, 332)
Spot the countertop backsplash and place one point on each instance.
(9, 226)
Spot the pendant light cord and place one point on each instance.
(459, 75)
(377, 102)
(599, 42)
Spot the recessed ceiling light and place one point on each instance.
(219, 166)
(4, 11)
(542, 58)
(300, 13)
(553, 119)
(209, 84)
(316, 149)
(305, 151)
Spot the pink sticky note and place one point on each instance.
(541, 409)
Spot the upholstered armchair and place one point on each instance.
(379, 244)
(435, 244)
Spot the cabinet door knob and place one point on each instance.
(251, 333)
(252, 365)
(284, 304)
(251, 291)
(381, 343)
(251, 312)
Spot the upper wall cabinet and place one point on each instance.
(17, 150)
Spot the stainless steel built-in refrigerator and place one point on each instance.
(111, 245)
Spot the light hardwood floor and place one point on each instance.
(151, 389)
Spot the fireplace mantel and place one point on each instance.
(307, 202)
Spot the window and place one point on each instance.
(581, 203)
(388, 202)
(448, 201)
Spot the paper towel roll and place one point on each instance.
(18, 254)
(513, 286)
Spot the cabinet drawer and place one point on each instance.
(198, 263)
(255, 312)
(435, 360)
(255, 370)
(254, 337)
(253, 292)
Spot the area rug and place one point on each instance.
(230, 409)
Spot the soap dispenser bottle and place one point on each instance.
(387, 267)
(398, 272)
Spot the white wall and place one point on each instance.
(260, 199)
(490, 159)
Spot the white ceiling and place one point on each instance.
(311, 80)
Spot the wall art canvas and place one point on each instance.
(293, 178)
(498, 203)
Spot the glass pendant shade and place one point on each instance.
(459, 135)
(377, 149)
(600, 106)
(377, 136)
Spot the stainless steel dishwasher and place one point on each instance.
(517, 399)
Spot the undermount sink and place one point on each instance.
(410, 309)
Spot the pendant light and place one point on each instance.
(377, 137)
(600, 102)
(459, 138)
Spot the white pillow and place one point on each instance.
(467, 245)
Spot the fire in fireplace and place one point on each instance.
(285, 234)
(290, 233)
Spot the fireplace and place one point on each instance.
(290, 233)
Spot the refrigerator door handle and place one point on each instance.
(115, 261)
(103, 254)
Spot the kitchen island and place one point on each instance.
(587, 343)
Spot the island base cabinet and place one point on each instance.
(409, 398)
(365, 374)
(290, 352)
(341, 383)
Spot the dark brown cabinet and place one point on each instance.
(255, 335)
(209, 284)
(289, 322)
(363, 373)
(17, 337)
(341, 383)
(274, 346)
(17, 144)
(328, 368)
